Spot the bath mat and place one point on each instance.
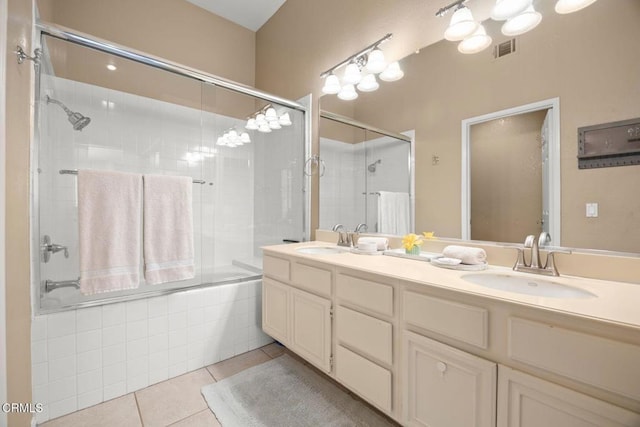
(284, 392)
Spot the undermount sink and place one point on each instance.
(527, 285)
(319, 250)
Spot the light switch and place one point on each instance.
(592, 210)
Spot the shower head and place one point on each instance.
(77, 120)
(372, 167)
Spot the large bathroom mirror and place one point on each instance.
(586, 60)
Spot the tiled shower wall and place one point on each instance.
(346, 178)
(90, 355)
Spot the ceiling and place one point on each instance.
(250, 14)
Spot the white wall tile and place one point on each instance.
(90, 398)
(61, 346)
(39, 328)
(158, 343)
(61, 324)
(114, 374)
(111, 391)
(90, 380)
(89, 340)
(177, 321)
(158, 306)
(63, 367)
(113, 314)
(113, 335)
(114, 354)
(39, 352)
(89, 361)
(88, 319)
(63, 407)
(158, 325)
(62, 389)
(137, 329)
(40, 374)
(137, 310)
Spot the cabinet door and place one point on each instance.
(446, 387)
(275, 309)
(311, 328)
(527, 401)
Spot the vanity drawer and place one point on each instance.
(277, 268)
(369, 380)
(364, 333)
(315, 279)
(367, 294)
(463, 322)
(600, 362)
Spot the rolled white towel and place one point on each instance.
(467, 255)
(381, 242)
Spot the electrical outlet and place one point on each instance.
(592, 210)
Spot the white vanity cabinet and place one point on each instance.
(527, 401)
(446, 387)
(298, 319)
(364, 337)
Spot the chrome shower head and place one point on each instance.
(372, 167)
(77, 120)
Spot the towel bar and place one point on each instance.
(75, 172)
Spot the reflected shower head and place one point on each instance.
(372, 167)
(77, 120)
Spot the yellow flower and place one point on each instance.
(429, 234)
(411, 240)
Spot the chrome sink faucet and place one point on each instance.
(344, 238)
(535, 266)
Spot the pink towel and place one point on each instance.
(168, 229)
(109, 214)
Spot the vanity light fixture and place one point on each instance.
(232, 139)
(360, 71)
(520, 17)
(462, 24)
(570, 6)
(506, 9)
(521, 23)
(265, 120)
(476, 42)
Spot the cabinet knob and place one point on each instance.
(441, 367)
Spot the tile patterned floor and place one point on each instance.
(176, 402)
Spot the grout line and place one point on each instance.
(135, 396)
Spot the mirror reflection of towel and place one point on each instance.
(393, 213)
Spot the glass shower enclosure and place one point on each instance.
(100, 107)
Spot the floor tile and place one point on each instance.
(122, 411)
(173, 400)
(237, 364)
(201, 419)
(274, 350)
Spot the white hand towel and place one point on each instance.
(168, 229)
(393, 213)
(382, 243)
(466, 254)
(109, 206)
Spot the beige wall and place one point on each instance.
(506, 177)
(582, 58)
(172, 29)
(18, 134)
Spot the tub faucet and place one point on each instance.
(535, 266)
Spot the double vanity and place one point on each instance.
(429, 346)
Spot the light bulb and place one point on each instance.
(520, 24)
(348, 93)
(271, 114)
(352, 74)
(331, 85)
(506, 9)
(375, 61)
(251, 124)
(392, 73)
(461, 25)
(260, 120)
(285, 120)
(264, 128)
(570, 6)
(275, 124)
(244, 137)
(476, 42)
(368, 83)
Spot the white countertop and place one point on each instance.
(615, 302)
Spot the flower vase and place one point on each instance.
(413, 251)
